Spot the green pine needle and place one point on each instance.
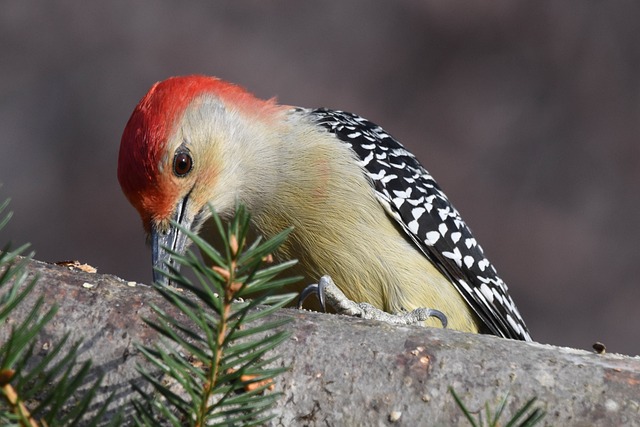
(214, 365)
(534, 417)
(39, 392)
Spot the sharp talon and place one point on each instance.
(439, 315)
(322, 284)
(318, 290)
(305, 293)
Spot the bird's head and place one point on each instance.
(176, 156)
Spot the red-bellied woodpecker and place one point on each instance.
(364, 211)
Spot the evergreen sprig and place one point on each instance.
(215, 366)
(53, 391)
(526, 416)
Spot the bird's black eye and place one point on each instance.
(182, 163)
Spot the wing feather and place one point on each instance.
(411, 196)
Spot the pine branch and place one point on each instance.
(49, 393)
(214, 364)
(493, 420)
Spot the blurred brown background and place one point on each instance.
(527, 113)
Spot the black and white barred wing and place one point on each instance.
(411, 196)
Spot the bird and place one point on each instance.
(366, 215)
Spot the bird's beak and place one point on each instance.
(168, 240)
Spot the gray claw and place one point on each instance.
(431, 312)
(325, 289)
(317, 289)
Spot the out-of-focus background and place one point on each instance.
(527, 113)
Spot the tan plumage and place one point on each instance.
(288, 171)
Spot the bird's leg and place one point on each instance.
(328, 292)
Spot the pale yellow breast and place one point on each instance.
(342, 230)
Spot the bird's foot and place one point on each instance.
(328, 293)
